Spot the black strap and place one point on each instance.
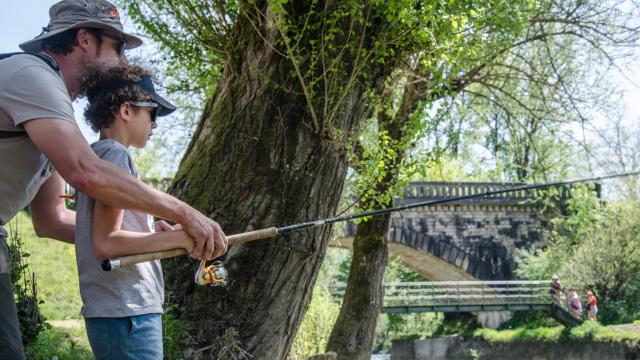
(12, 134)
(47, 60)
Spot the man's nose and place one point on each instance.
(122, 60)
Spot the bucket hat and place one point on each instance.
(73, 14)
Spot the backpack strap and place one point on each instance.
(12, 134)
(47, 60)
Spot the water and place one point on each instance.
(380, 356)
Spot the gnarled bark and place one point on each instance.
(257, 160)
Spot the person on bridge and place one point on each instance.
(556, 288)
(575, 306)
(592, 306)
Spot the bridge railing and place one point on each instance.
(443, 293)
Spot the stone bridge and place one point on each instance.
(466, 239)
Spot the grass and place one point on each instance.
(590, 330)
(54, 264)
(61, 343)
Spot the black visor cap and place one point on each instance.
(145, 84)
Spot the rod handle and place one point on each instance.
(110, 264)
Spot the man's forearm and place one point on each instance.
(115, 187)
(69, 152)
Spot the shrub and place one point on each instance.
(173, 332)
(32, 322)
(314, 332)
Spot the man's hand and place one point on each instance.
(209, 237)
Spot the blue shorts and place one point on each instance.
(131, 337)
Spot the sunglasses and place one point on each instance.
(155, 106)
(121, 43)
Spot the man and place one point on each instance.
(41, 145)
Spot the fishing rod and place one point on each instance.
(216, 275)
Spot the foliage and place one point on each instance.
(462, 324)
(524, 333)
(54, 264)
(616, 152)
(60, 344)
(193, 33)
(313, 334)
(397, 271)
(528, 319)
(173, 333)
(520, 111)
(25, 290)
(589, 330)
(448, 36)
(596, 247)
(403, 326)
(335, 269)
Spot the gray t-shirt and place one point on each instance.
(130, 290)
(29, 89)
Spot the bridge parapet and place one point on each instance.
(425, 191)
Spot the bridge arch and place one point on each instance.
(466, 239)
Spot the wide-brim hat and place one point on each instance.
(73, 14)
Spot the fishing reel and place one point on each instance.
(214, 274)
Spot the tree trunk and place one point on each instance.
(354, 332)
(256, 161)
(352, 336)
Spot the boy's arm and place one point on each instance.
(109, 241)
(49, 215)
(63, 144)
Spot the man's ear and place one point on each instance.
(84, 39)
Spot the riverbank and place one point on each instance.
(590, 341)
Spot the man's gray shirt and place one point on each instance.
(29, 89)
(130, 290)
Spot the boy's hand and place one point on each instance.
(186, 240)
(162, 225)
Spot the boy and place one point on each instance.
(122, 308)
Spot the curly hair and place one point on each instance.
(104, 104)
